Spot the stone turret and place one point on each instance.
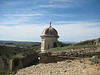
(49, 38)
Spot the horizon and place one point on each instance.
(24, 20)
(40, 41)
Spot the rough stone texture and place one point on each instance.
(74, 67)
(5, 64)
(52, 59)
(1, 64)
(49, 38)
(49, 57)
(23, 62)
(83, 52)
(48, 42)
(9, 64)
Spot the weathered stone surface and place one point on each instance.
(48, 57)
(62, 68)
(1, 64)
(49, 38)
(74, 53)
(12, 65)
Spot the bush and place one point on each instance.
(81, 61)
(60, 44)
(69, 61)
(96, 59)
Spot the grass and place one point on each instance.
(81, 61)
(72, 47)
(69, 61)
(5, 73)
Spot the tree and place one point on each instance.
(61, 44)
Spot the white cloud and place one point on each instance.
(81, 23)
(21, 32)
(61, 1)
(55, 6)
(14, 21)
(67, 32)
(64, 15)
(78, 31)
(21, 15)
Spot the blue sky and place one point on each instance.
(24, 20)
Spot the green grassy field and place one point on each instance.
(72, 47)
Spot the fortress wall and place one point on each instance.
(29, 59)
(69, 54)
(26, 61)
(5, 64)
(9, 64)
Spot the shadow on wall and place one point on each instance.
(18, 63)
(25, 62)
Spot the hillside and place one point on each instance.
(79, 58)
(94, 43)
(76, 59)
(20, 44)
(12, 53)
(13, 49)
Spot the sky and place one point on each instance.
(24, 20)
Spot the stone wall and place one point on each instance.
(54, 59)
(68, 54)
(12, 65)
(30, 59)
(26, 61)
(83, 52)
(48, 42)
(5, 64)
(1, 64)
